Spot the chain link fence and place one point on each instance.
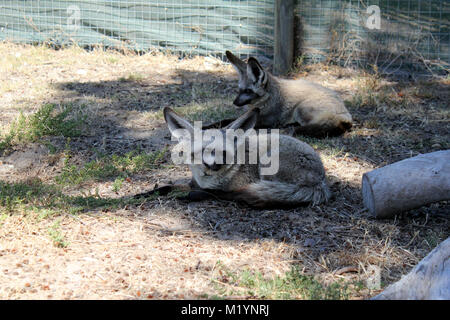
(396, 36)
(185, 26)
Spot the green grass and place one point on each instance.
(292, 285)
(213, 110)
(117, 185)
(331, 146)
(31, 194)
(47, 201)
(298, 64)
(209, 112)
(47, 121)
(433, 238)
(108, 167)
(371, 92)
(56, 236)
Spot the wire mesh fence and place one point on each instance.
(186, 26)
(412, 36)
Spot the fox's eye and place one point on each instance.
(248, 91)
(224, 156)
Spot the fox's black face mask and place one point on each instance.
(245, 96)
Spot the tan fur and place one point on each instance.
(311, 107)
(299, 180)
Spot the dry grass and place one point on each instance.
(85, 239)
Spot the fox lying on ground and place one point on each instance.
(312, 109)
(300, 178)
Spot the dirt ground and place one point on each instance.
(165, 248)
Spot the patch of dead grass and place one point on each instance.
(169, 249)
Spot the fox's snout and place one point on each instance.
(213, 167)
(238, 102)
(244, 97)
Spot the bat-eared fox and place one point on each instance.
(308, 107)
(300, 175)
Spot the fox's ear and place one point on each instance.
(237, 63)
(254, 71)
(177, 124)
(245, 122)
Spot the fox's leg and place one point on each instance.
(164, 190)
(193, 192)
(200, 195)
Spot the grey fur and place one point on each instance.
(310, 107)
(299, 180)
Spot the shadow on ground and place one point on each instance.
(125, 115)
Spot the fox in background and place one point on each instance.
(311, 108)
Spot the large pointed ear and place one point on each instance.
(245, 122)
(254, 71)
(176, 123)
(237, 63)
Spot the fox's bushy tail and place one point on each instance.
(272, 192)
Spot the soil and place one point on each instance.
(170, 249)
